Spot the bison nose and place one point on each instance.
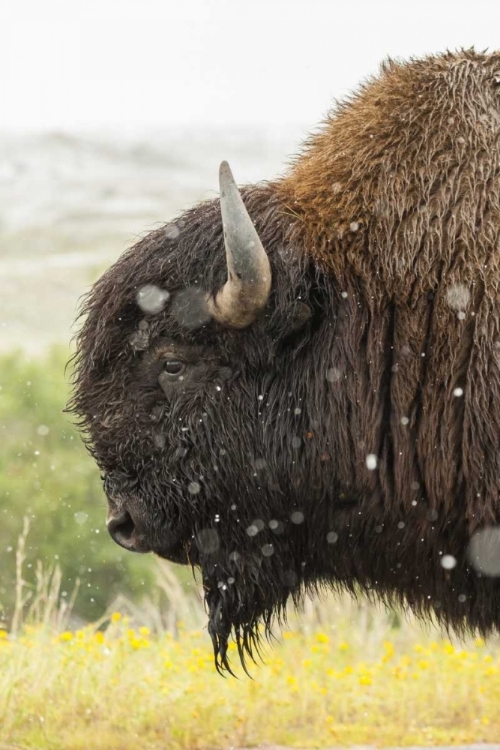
(123, 531)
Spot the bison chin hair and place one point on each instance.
(244, 599)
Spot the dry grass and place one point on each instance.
(344, 673)
(115, 687)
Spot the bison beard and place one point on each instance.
(356, 313)
(239, 598)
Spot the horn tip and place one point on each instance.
(225, 171)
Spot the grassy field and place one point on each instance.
(116, 687)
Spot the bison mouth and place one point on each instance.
(128, 530)
(177, 549)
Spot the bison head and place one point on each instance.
(191, 384)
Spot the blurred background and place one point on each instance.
(114, 117)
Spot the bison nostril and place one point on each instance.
(122, 530)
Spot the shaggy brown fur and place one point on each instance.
(399, 198)
(386, 234)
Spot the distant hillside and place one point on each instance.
(70, 204)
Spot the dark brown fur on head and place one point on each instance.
(384, 243)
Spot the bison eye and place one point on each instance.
(174, 367)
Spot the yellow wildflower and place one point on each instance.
(388, 651)
(322, 638)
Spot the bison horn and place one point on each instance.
(247, 288)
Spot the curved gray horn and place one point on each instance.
(247, 288)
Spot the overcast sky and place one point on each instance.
(79, 64)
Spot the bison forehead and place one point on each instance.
(161, 283)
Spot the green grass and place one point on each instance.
(47, 476)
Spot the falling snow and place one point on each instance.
(484, 551)
(458, 297)
(151, 299)
(172, 232)
(208, 541)
(81, 517)
(333, 375)
(448, 562)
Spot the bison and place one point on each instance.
(298, 385)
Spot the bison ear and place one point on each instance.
(247, 289)
(286, 325)
(299, 316)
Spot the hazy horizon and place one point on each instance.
(153, 63)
